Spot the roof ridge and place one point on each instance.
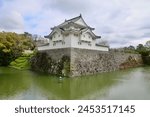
(74, 18)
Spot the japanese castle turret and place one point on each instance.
(72, 50)
(73, 33)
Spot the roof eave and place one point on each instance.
(102, 45)
(46, 36)
(98, 37)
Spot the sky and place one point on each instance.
(120, 22)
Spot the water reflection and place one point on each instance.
(134, 88)
(125, 84)
(12, 82)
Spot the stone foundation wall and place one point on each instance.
(56, 61)
(85, 62)
(57, 54)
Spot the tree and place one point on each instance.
(131, 47)
(140, 47)
(147, 45)
(142, 50)
(12, 45)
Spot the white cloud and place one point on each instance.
(121, 22)
(11, 21)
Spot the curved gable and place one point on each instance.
(81, 22)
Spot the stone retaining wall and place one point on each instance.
(85, 62)
(57, 54)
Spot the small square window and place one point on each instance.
(79, 43)
(54, 43)
(63, 43)
(89, 44)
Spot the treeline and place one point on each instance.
(144, 50)
(12, 45)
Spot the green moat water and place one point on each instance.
(27, 85)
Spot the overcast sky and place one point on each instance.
(120, 22)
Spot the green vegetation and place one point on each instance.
(144, 50)
(66, 68)
(44, 63)
(22, 62)
(12, 45)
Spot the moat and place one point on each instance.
(27, 85)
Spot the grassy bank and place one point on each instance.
(22, 62)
